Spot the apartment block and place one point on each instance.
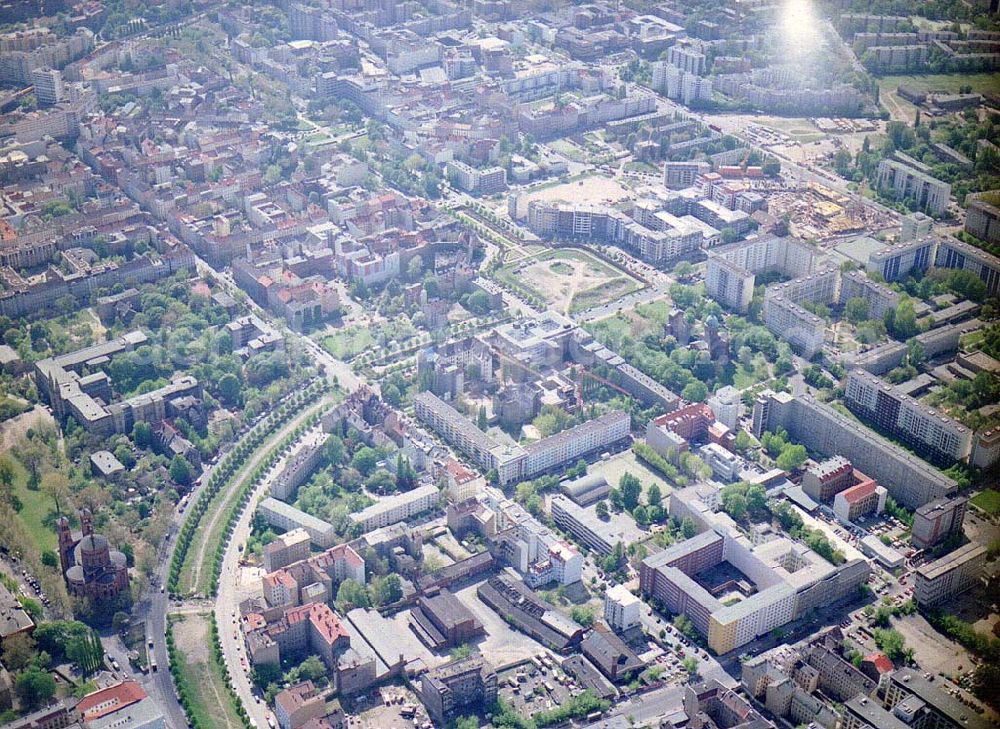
(398, 507)
(911, 180)
(950, 575)
(298, 467)
(931, 433)
(802, 329)
(895, 262)
(880, 298)
(730, 272)
(687, 59)
(458, 430)
(938, 520)
(779, 579)
(920, 702)
(621, 608)
(447, 690)
(486, 181)
(292, 546)
(286, 517)
(822, 429)
(679, 175)
(915, 226)
(953, 253)
(828, 478)
(864, 498)
(313, 579)
(982, 216)
(589, 530)
(680, 84)
(516, 462)
(49, 88)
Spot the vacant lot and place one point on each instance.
(200, 675)
(569, 279)
(502, 645)
(592, 190)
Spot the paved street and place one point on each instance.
(229, 596)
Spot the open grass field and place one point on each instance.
(38, 510)
(349, 342)
(199, 677)
(981, 83)
(988, 501)
(568, 279)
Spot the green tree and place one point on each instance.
(350, 595)
(312, 669)
(890, 642)
(856, 310)
(181, 471)
(583, 615)
(630, 487)
(365, 460)
(334, 450)
(695, 391)
(264, 674)
(142, 435)
(654, 496)
(481, 419)
(602, 510)
(230, 389)
(18, 651)
(391, 394)
(688, 527)
(791, 457)
(35, 687)
(387, 590)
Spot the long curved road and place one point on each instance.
(229, 595)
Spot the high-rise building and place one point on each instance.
(727, 404)
(938, 520)
(928, 431)
(951, 575)
(621, 608)
(914, 226)
(678, 175)
(49, 89)
(824, 430)
(907, 179)
(953, 253)
(982, 217)
(895, 262)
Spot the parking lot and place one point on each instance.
(502, 645)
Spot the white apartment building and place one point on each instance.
(621, 608)
(913, 181)
(727, 404)
(286, 517)
(398, 507)
(927, 430)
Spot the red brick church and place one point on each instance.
(92, 569)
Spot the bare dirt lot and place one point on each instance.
(570, 279)
(592, 190)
